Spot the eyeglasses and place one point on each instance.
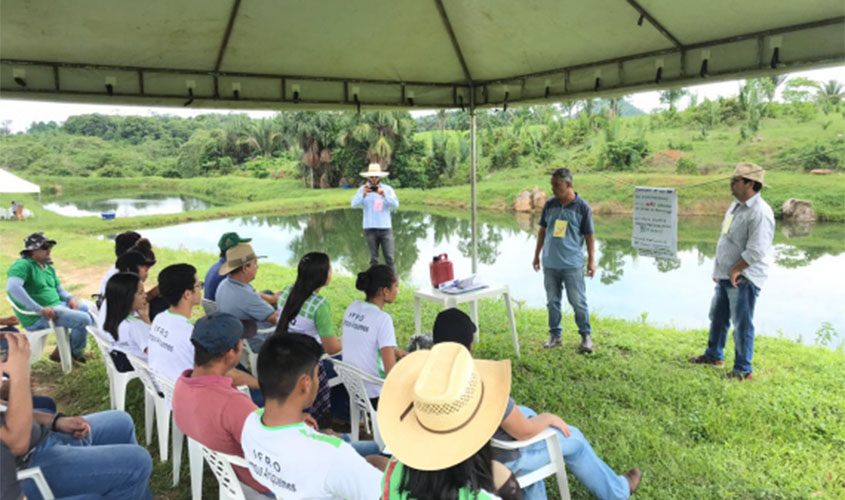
(200, 285)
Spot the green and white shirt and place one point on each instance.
(314, 318)
(393, 479)
(296, 462)
(366, 330)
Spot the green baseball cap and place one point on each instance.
(228, 240)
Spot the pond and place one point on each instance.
(145, 204)
(802, 299)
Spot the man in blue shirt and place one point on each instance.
(213, 277)
(566, 223)
(378, 200)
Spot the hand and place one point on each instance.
(400, 353)
(17, 363)
(9, 321)
(73, 303)
(560, 424)
(48, 313)
(536, 263)
(310, 422)
(591, 269)
(75, 426)
(380, 191)
(735, 274)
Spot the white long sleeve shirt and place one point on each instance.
(748, 230)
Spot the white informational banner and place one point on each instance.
(655, 231)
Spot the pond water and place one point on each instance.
(145, 204)
(804, 293)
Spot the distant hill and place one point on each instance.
(625, 108)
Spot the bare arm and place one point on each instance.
(17, 427)
(332, 345)
(521, 428)
(388, 357)
(541, 238)
(242, 378)
(591, 253)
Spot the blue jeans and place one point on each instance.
(108, 461)
(555, 281)
(580, 458)
(364, 448)
(383, 237)
(73, 320)
(733, 304)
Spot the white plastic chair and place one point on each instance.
(209, 306)
(359, 403)
(154, 404)
(36, 476)
(556, 465)
(221, 465)
(37, 340)
(117, 380)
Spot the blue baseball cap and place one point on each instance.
(218, 332)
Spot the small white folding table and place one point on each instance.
(447, 300)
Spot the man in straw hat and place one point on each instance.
(739, 271)
(33, 286)
(237, 297)
(213, 278)
(284, 452)
(522, 423)
(378, 200)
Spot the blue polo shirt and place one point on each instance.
(213, 279)
(566, 227)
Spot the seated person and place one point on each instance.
(170, 351)
(207, 406)
(284, 454)
(122, 243)
(213, 276)
(145, 248)
(34, 286)
(134, 262)
(96, 454)
(369, 339)
(305, 311)
(127, 319)
(237, 297)
(521, 423)
(445, 454)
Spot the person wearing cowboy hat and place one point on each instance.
(377, 200)
(213, 278)
(33, 286)
(439, 409)
(522, 423)
(237, 297)
(740, 270)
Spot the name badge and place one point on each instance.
(727, 224)
(378, 205)
(560, 228)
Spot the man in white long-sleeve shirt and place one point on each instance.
(740, 270)
(33, 286)
(378, 200)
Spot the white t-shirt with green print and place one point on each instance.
(314, 318)
(366, 330)
(296, 462)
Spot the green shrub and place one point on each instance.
(686, 166)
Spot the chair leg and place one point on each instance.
(253, 364)
(556, 457)
(63, 342)
(178, 440)
(36, 349)
(149, 415)
(163, 427)
(195, 461)
(512, 320)
(120, 392)
(355, 417)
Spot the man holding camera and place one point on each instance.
(377, 200)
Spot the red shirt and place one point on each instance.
(212, 411)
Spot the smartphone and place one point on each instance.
(4, 348)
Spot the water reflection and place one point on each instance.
(147, 204)
(803, 291)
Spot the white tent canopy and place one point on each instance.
(341, 54)
(10, 183)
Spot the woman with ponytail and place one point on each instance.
(127, 318)
(369, 339)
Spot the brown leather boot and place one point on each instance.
(633, 476)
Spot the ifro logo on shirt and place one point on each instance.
(266, 467)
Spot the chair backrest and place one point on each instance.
(209, 306)
(354, 380)
(145, 374)
(19, 310)
(221, 465)
(165, 385)
(103, 344)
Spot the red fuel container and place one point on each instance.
(441, 270)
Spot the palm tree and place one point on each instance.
(672, 96)
(315, 132)
(381, 133)
(830, 95)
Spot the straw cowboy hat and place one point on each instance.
(751, 172)
(237, 256)
(439, 407)
(374, 170)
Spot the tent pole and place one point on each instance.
(472, 181)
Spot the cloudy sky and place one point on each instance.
(20, 114)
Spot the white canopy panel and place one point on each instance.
(275, 54)
(10, 183)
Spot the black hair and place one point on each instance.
(130, 261)
(311, 274)
(374, 279)
(202, 357)
(174, 280)
(563, 174)
(120, 294)
(474, 473)
(145, 248)
(125, 241)
(282, 360)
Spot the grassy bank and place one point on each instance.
(637, 399)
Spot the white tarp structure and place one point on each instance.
(10, 183)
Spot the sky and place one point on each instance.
(20, 113)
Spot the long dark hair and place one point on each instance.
(311, 274)
(374, 279)
(474, 473)
(120, 294)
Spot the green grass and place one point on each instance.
(637, 399)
